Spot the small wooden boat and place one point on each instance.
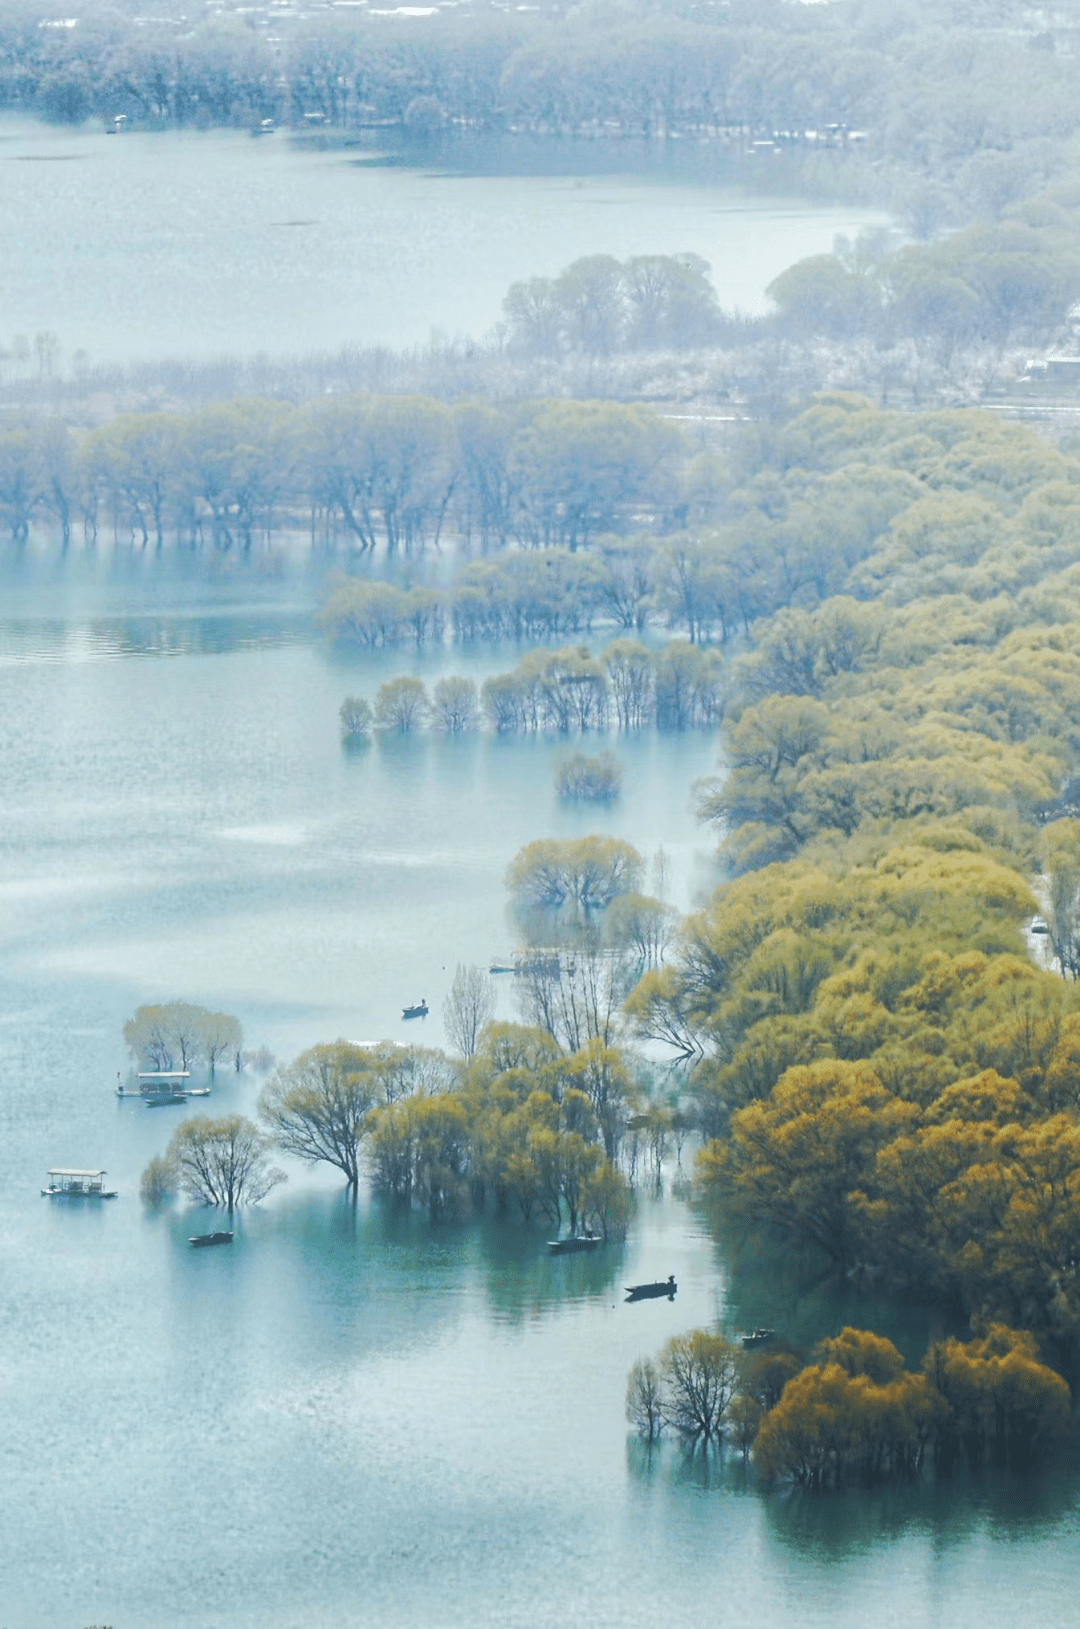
(419, 1011)
(573, 1243)
(67, 1184)
(200, 1241)
(652, 1292)
(758, 1337)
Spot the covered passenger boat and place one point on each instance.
(64, 1183)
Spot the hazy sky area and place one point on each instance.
(199, 244)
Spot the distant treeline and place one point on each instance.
(677, 687)
(943, 320)
(967, 96)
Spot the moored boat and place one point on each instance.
(200, 1241)
(64, 1183)
(573, 1243)
(652, 1292)
(758, 1337)
(158, 1083)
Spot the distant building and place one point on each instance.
(1063, 370)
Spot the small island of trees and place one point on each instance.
(854, 1415)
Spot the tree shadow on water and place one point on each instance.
(837, 1525)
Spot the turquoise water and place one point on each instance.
(206, 244)
(351, 1417)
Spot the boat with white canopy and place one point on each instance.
(65, 1183)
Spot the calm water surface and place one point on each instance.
(350, 1418)
(201, 244)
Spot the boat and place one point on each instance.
(419, 1011)
(758, 1337)
(502, 967)
(652, 1292)
(572, 1243)
(538, 959)
(156, 1082)
(200, 1241)
(64, 1183)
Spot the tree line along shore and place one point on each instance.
(955, 104)
(884, 1054)
(967, 315)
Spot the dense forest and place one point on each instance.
(887, 1066)
(879, 1009)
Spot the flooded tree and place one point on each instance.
(642, 925)
(644, 1399)
(455, 707)
(158, 1181)
(596, 780)
(356, 718)
(586, 871)
(223, 1162)
(468, 1007)
(631, 676)
(699, 1373)
(178, 1034)
(317, 1108)
(401, 705)
(1003, 1405)
(855, 1414)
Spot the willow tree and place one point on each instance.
(317, 1108)
(588, 871)
(468, 1007)
(223, 1162)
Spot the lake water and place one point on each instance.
(351, 1417)
(203, 244)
